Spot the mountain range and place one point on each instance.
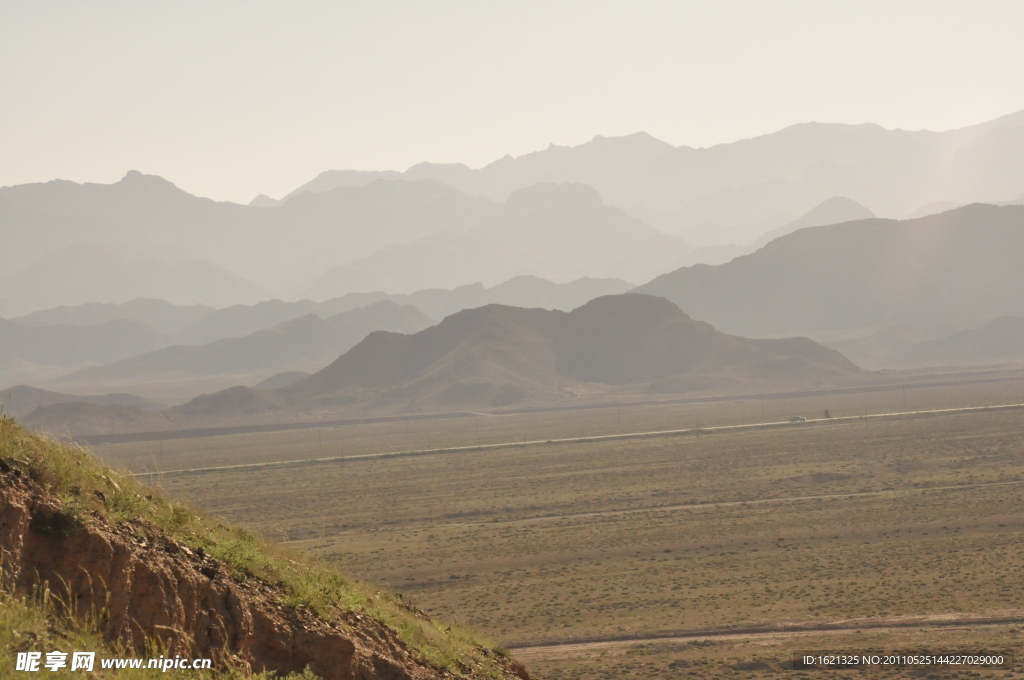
(1000, 341)
(553, 231)
(830, 211)
(735, 192)
(496, 356)
(31, 352)
(45, 345)
(303, 343)
(22, 399)
(519, 291)
(160, 315)
(956, 270)
(349, 231)
(109, 236)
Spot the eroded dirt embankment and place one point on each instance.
(140, 584)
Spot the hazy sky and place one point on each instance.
(231, 99)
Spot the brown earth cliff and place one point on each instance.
(141, 585)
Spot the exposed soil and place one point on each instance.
(139, 584)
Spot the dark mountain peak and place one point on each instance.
(495, 351)
(459, 325)
(629, 308)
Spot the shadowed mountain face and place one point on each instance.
(958, 268)
(46, 345)
(497, 355)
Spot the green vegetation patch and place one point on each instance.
(94, 493)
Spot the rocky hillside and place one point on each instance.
(146, 572)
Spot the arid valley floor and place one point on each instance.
(638, 556)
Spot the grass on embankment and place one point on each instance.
(92, 492)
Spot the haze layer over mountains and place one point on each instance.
(648, 207)
(447, 288)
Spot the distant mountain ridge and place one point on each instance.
(161, 315)
(146, 218)
(22, 399)
(299, 342)
(66, 243)
(67, 345)
(598, 163)
(72, 244)
(734, 192)
(495, 356)
(959, 268)
(82, 274)
(835, 210)
(47, 344)
(521, 291)
(562, 231)
(999, 341)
